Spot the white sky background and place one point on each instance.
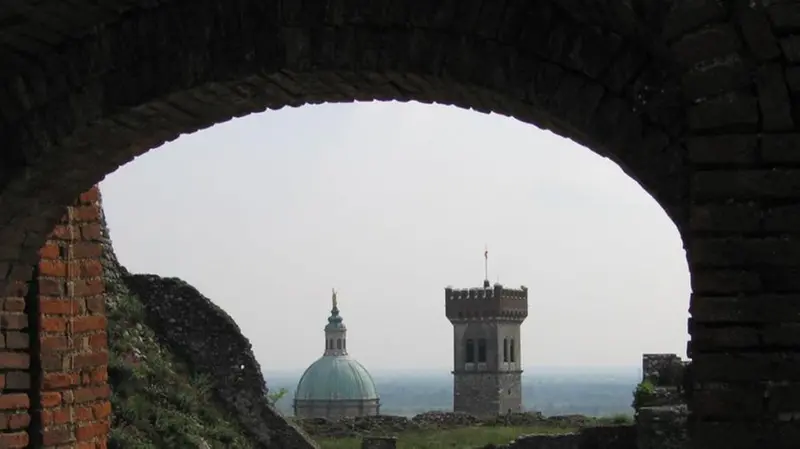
(389, 203)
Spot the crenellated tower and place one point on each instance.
(487, 362)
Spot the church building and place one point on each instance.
(336, 385)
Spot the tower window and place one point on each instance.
(338, 343)
(470, 349)
(481, 350)
(330, 343)
(505, 349)
(512, 351)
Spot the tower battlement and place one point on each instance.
(495, 302)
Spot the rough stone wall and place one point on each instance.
(662, 416)
(479, 393)
(663, 369)
(203, 335)
(611, 437)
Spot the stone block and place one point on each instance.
(373, 442)
(728, 110)
(662, 427)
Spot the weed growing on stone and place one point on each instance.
(157, 403)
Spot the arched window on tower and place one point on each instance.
(512, 352)
(481, 350)
(470, 351)
(338, 343)
(505, 350)
(330, 343)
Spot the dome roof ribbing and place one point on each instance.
(336, 378)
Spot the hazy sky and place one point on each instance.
(389, 203)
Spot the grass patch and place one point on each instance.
(157, 403)
(462, 438)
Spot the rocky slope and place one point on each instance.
(182, 374)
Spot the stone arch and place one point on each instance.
(129, 90)
(696, 100)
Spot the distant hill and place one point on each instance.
(603, 392)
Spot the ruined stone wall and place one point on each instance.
(611, 437)
(204, 336)
(662, 414)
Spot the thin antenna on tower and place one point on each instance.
(486, 263)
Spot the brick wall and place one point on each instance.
(16, 337)
(69, 398)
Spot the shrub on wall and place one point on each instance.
(643, 393)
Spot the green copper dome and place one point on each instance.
(336, 377)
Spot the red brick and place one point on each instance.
(51, 362)
(54, 381)
(51, 287)
(85, 287)
(86, 213)
(88, 323)
(51, 267)
(53, 324)
(102, 410)
(98, 341)
(96, 304)
(91, 231)
(14, 304)
(86, 250)
(83, 413)
(90, 196)
(99, 375)
(50, 399)
(52, 437)
(87, 394)
(14, 360)
(89, 268)
(50, 250)
(14, 440)
(87, 432)
(56, 416)
(19, 421)
(52, 306)
(14, 401)
(57, 343)
(90, 360)
(63, 232)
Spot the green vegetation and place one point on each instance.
(157, 403)
(275, 397)
(462, 438)
(645, 391)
